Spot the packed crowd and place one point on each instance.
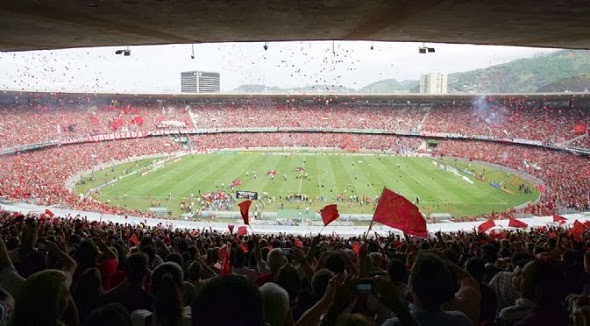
(69, 271)
(582, 142)
(313, 115)
(349, 142)
(566, 176)
(39, 176)
(549, 124)
(22, 124)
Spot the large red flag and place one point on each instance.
(559, 219)
(242, 231)
(483, 227)
(244, 208)
(578, 230)
(329, 214)
(514, 223)
(399, 213)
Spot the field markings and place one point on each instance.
(206, 172)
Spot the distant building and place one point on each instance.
(199, 82)
(433, 83)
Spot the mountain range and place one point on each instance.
(560, 71)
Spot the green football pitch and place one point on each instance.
(322, 177)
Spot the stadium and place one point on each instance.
(421, 129)
(327, 205)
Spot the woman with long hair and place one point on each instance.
(44, 299)
(167, 285)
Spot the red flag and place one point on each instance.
(231, 228)
(483, 227)
(226, 268)
(578, 230)
(50, 213)
(329, 214)
(244, 208)
(514, 223)
(399, 213)
(244, 248)
(242, 230)
(297, 243)
(559, 219)
(135, 240)
(580, 129)
(356, 247)
(139, 121)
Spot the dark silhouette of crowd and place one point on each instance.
(70, 271)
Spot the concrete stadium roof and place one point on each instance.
(52, 24)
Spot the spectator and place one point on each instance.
(222, 295)
(268, 270)
(168, 307)
(44, 299)
(476, 268)
(89, 292)
(237, 261)
(432, 284)
(542, 283)
(275, 303)
(112, 314)
(131, 293)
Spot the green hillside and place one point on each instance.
(387, 86)
(579, 83)
(255, 88)
(322, 89)
(522, 75)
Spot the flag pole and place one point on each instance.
(369, 230)
(373, 218)
(322, 229)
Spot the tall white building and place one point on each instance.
(433, 83)
(199, 82)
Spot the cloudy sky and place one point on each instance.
(156, 69)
